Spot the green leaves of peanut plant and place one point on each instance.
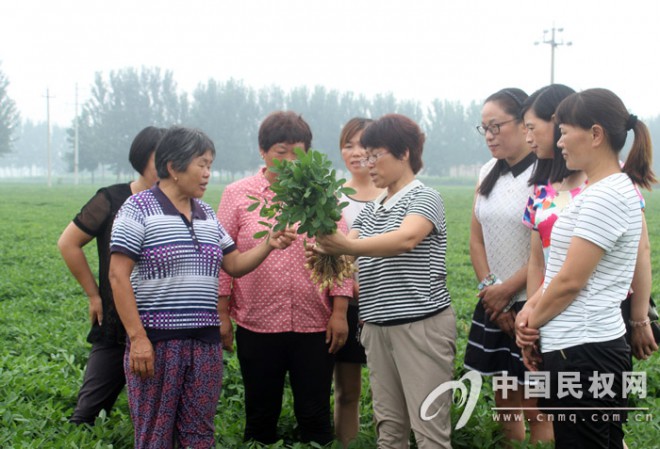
(305, 193)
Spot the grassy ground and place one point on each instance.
(43, 324)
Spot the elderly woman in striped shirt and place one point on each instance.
(167, 249)
(400, 242)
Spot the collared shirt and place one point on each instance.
(506, 238)
(278, 296)
(177, 262)
(411, 285)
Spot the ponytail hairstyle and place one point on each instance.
(602, 107)
(511, 101)
(543, 103)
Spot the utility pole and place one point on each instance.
(48, 141)
(554, 43)
(75, 142)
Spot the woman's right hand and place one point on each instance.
(141, 357)
(525, 335)
(531, 357)
(642, 342)
(494, 299)
(96, 310)
(226, 332)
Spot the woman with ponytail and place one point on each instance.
(499, 250)
(594, 252)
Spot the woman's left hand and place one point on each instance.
(336, 332)
(642, 342)
(507, 323)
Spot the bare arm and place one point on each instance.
(478, 248)
(141, 354)
(337, 329)
(536, 265)
(237, 264)
(413, 229)
(643, 343)
(226, 326)
(581, 261)
(71, 244)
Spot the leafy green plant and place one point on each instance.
(306, 196)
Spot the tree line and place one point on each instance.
(230, 113)
(126, 100)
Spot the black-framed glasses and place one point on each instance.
(494, 128)
(371, 159)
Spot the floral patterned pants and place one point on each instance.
(179, 402)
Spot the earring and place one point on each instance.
(176, 179)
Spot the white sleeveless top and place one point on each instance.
(506, 238)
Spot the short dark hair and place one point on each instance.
(397, 133)
(351, 128)
(544, 103)
(180, 146)
(284, 127)
(144, 144)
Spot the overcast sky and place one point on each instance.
(417, 49)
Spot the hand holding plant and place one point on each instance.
(306, 195)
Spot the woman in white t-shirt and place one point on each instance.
(589, 271)
(351, 357)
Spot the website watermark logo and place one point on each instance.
(537, 385)
(465, 397)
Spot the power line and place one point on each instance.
(554, 43)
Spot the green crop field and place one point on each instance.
(43, 325)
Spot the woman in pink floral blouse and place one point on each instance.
(284, 324)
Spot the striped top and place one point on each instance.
(177, 262)
(608, 214)
(411, 285)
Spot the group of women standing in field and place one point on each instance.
(549, 299)
(162, 253)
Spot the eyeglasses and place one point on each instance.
(494, 128)
(371, 159)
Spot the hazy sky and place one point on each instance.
(418, 49)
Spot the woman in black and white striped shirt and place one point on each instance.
(590, 269)
(409, 333)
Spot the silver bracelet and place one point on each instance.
(639, 323)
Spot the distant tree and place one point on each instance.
(270, 99)
(9, 116)
(321, 110)
(451, 138)
(229, 114)
(119, 108)
(30, 147)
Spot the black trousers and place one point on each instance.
(103, 381)
(600, 426)
(265, 360)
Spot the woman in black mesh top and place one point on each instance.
(104, 375)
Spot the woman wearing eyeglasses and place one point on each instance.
(409, 331)
(499, 249)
